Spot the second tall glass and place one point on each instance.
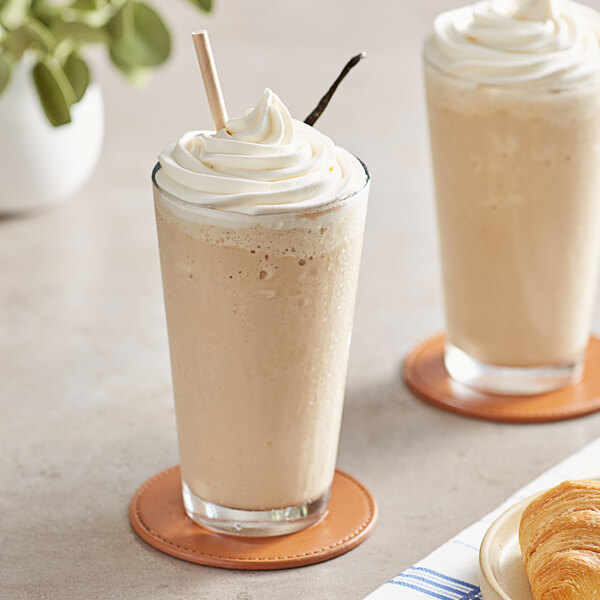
(518, 201)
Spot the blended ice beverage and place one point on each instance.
(513, 93)
(260, 229)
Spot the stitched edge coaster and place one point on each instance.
(426, 376)
(157, 515)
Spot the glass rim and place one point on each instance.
(335, 203)
(543, 87)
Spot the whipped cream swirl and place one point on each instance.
(517, 42)
(262, 162)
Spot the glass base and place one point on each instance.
(256, 523)
(510, 381)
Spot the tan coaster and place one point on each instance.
(425, 374)
(157, 515)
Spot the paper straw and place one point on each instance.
(211, 79)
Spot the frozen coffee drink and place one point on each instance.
(513, 92)
(260, 228)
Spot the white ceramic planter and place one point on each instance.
(41, 164)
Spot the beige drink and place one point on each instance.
(518, 200)
(259, 311)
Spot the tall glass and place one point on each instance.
(518, 202)
(259, 313)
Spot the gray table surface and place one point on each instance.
(85, 395)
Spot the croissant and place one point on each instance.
(559, 537)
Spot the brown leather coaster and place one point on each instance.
(157, 515)
(426, 376)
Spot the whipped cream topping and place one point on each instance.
(517, 42)
(262, 162)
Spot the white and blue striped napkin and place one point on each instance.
(452, 571)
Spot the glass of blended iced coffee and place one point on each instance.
(260, 229)
(513, 93)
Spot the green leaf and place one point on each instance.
(79, 33)
(78, 74)
(30, 35)
(5, 71)
(205, 5)
(138, 76)
(147, 44)
(54, 90)
(14, 12)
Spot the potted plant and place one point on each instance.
(51, 113)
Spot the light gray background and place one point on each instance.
(85, 394)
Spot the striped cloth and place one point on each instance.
(452, 571)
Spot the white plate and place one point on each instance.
(500, 559)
